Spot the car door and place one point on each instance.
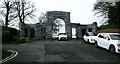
(86, 37)
(105, 40)
(100, 40)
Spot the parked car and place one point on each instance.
(62, 36)
(54, 37)
(89, 37)
(109, 41)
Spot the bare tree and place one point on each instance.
(6, 10)
(56, 24)
(42, 18)
(25, 10)
(1, 22)
(108, 10)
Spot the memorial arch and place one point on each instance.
(58, 15)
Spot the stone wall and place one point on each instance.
(46, 28)
(82, 29)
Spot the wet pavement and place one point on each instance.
(61, 51)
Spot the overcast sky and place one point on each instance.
(80, 10)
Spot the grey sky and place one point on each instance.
(81, 10)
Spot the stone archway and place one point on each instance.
(51, 17)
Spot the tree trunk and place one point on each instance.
(7, 14)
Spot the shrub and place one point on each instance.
(15, 38)
(21, 40)
(27, 39)
(9, 34)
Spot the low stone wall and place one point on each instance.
(109, 31)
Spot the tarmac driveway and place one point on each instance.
(61, 51)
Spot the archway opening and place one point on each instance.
(58, 27)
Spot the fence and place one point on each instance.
(109, 31)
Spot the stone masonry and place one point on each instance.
(38, 30)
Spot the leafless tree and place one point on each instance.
(56, 24)
(42, 18)
(25, 10)
(1, 22)
(5, 10)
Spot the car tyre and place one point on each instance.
(96, 44)
(58, 39)
(112, 49)
(88, 41)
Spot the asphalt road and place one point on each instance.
(61, 51)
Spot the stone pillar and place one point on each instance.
(38, 31)
(80, 32)
(49, 32)
(69, 31)
(49, 27)
(94, 27)
(68, 25)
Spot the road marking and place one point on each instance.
(14, 54)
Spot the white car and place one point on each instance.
(62, 36)
(109, 41)
(54, 37)
(89, 37)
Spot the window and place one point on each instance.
(62, 34)
(91, 34)
(105, 36)
(100, 35)
(90, 30)
(87, 34)
(115, 37)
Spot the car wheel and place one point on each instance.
(58, 39)
(96, 44)
(88, 41)
(112, 49)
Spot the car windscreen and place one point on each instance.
(115, 37)
(91, 34)
(62, 33)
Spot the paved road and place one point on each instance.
(61, 51)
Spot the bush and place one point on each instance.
(21, 40)
(27, 39)
(15, 38)
(9, 34)
(6, 36)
